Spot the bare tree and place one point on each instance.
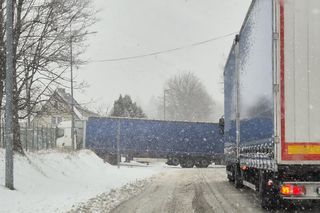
(187, 99)
(103, 109)
(43, 33)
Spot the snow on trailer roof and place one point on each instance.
(144, 119)
(244, 23)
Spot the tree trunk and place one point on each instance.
(17, 146)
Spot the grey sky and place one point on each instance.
(135, 27)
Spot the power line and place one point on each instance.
(164, 51)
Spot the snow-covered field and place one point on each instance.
(56, 181)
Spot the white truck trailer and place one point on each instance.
(272, 102)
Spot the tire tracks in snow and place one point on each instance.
(179, 190)
(199, 202)
(219, 203)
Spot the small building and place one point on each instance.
(57, 111)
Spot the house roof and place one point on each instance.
(80, 111)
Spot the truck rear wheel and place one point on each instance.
(110, 158)
(187, 163)
(230, 175)
(202, 163)
(230, 178)
(173, 161)
(237, 177)
(268, 196)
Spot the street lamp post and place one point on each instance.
(71, 86)
(164, 103)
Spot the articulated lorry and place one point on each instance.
(184, 143)
(272, 102)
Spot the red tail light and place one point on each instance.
(292, 190)
(270, 183)
(244, 168)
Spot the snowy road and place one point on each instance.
(183, 190)
(190, 190)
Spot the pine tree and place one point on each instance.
(125, 107)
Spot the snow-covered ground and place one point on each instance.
(106, 202)
(56, 181)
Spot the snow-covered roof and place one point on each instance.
(80, 111)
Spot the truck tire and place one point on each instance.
(110, 158)
(230, 177)
(175, 161)
(187, 163)
(169, 162)
(219, 161)
(237, 177)
(202, 163)
(267, 194)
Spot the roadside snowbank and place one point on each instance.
(54, 181)
(105, 202)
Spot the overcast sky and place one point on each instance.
(135, 27)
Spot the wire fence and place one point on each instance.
(34, 137)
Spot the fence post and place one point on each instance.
(1, 141)
(37, 137)
(55, 137)
(2, 132)
(51, 142)
(32, 142)
(42, 137)
(26, 136)
(47, 140)
(118, 144)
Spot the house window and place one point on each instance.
(55, 120)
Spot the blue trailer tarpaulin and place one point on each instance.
(153, 136)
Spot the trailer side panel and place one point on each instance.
(153, 137)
